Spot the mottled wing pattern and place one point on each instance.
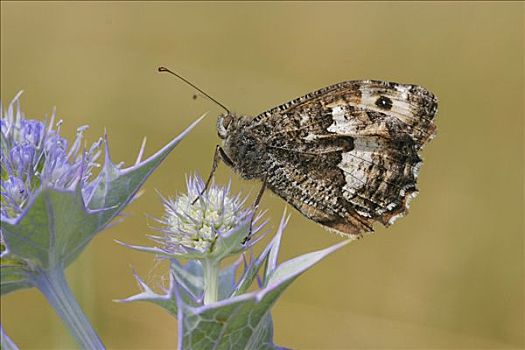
(313, 185)
(347, 155)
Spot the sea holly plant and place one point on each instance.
(220, 305)
(54, 203)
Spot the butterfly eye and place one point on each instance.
(223, 123)
(226, 121)
(384, 102)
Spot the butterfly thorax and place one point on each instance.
(245, 151)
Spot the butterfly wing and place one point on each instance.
(357, 108)
(347, 155)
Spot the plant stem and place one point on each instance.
(211, 281)
(52, 283)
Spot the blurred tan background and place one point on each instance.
(449, 275)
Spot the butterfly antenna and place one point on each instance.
(164, 69)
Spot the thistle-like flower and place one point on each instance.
(34, 156)
(211, 224)
(206, 226)
(53, 205)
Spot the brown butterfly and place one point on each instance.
(345, 156)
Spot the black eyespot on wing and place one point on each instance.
(384, 102)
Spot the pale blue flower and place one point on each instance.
(35, 156)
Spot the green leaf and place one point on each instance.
(262, 337)
(238, 322)
(189, 275)
(251, 270)
(13, 274)
(166, 301)
(271, 262)
(227, 279)
(56, 223)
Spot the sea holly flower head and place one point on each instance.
(198, 225)
(206, 225)
(34, 156)
(52, 201)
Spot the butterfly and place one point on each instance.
(345, 156)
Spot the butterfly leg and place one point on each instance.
(255, 206)
(218, 155)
